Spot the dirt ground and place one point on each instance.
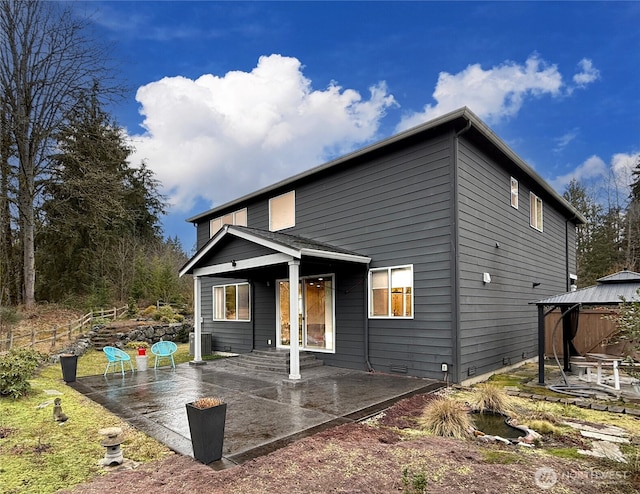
(360, 458)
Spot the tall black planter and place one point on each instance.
(207, 431)
(69, 365)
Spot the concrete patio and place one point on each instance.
(265, 411)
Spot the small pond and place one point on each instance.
(495, 424)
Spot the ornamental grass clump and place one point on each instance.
(446, 417)
(490, 398)
(208, 402)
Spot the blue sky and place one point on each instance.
(228, 97)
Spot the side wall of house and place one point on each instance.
(497, 324)
(395, 208)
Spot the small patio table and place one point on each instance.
(603, 358)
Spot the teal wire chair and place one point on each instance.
(116, 356)
(164, 350)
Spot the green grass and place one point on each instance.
(569, 453)
(500, 457)
(39, 455)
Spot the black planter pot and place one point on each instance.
(207, 431)
(69, 365)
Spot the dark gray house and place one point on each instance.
(418, 254)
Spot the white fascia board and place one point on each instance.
(339, 256)
(242, 264)
(213, 241)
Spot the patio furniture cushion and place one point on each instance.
(116, 356)
(164, 349)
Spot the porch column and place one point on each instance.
(294, 329)
(197, 318)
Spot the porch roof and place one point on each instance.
(286, 246)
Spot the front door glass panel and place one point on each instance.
(315, 313)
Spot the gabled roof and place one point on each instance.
(609, 291)
(462, 118)
(292, 246)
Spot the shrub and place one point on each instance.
(492, 398)
(182, 336)
(16, 368)
(627, 320)
(414, 483)
(132, 308)
(149, 311)
(446, 417)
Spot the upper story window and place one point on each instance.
(231, 302)
(535, 212)
(514, 193)
(282, 211)
(236, 218)
(391, 292)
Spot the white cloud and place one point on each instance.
(492, 94)
(563, 141)
(622, 166)
(593, 167)
(615, 174)
(588, 73)
(218, 137)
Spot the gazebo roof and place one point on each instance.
(610, 290)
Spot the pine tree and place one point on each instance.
(97, 209)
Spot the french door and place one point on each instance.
(315, 314)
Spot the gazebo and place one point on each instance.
(609, 290)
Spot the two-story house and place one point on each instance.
(418, 254)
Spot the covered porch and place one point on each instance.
(282, 285)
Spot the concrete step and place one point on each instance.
(274, 360)
(252, 357)
(284, 369)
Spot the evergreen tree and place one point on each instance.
(98, 209)
(632, 222)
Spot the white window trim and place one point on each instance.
(533, 199)
(213, 302)
(370, 292)
(234, 213)
(293, 194)
(515, 196)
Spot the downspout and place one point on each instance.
(566, 251)
(455, 272)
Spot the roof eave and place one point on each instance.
(461, 113)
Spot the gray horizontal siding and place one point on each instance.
(264, 314)
(230, 336)
(350, 299)
(397, 210)
(497, 324)
(236, 248)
